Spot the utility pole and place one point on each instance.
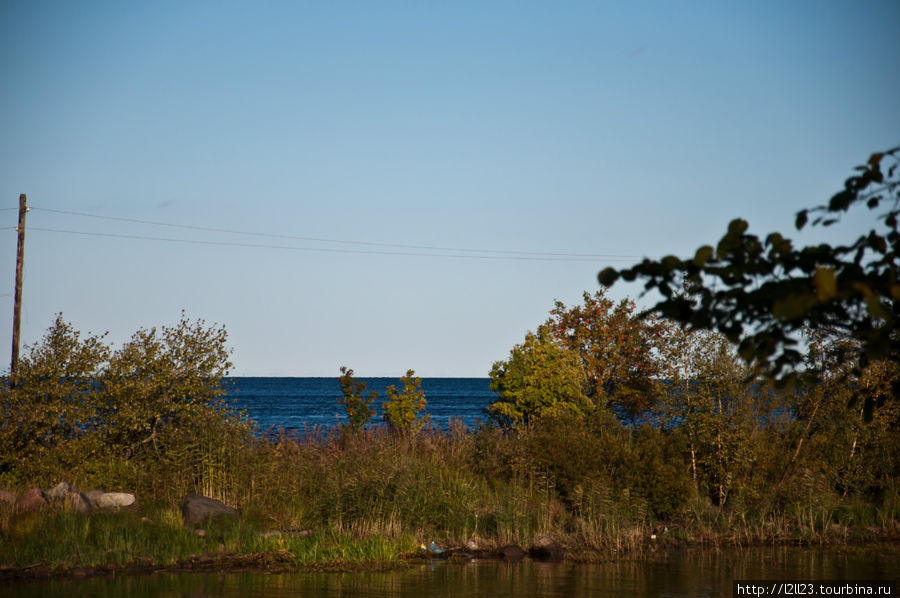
(17, 301)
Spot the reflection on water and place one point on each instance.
(684, 573)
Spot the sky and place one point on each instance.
(409, 185)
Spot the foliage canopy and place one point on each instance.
(403, 409)
(762, 293)
(541, 378)
(76, 398)
(357, 404)
(619, 351)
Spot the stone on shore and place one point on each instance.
(109, 500)
(511, 552)
(30, 501)
(196, 509)
(546, 548)
(290, 533)
(66, 494)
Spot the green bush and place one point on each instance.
(403, 410)
(540, 379)
(356, 404)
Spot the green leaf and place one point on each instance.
(801, 219)
(826, 284)
(608, 276)
(875, 159)
(670, 262)
(793, 306)
(840, 201)
(703, 255)
(737, 226)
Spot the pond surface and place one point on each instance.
(684, 573)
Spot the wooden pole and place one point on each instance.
(17, 301)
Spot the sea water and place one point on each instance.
(294, 404)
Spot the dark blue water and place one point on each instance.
(296, 403)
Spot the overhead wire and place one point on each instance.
(545, 258)
(543, 255)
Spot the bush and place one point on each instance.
(357, 406)
(540, 379)
(80, 409)
(401, 410)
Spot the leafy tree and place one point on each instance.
(541, 378)
(761, 293)
(402, 409)
(709, 396)
(76, 400)
(54, 402)
(619, 350)
(830, 431)
(163, 378)
(357, 406)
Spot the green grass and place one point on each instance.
(372, 497)
(67, 540)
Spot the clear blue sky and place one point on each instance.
(610, 129)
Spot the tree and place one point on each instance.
(761, 293)
(357, 406)
(401, 410)
(709, 397)
(163, 378)
(76, 400)
(541, 378)
(54, 402)
(830, 430)
(619, 350)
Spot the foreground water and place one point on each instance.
(296, 403)
(684, 573)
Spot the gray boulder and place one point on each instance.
(109, 500)
(196, 509)
(64, 493)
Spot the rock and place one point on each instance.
(511, 552)
(195, 509)
(547, 549)
(32, 500)
(69, 496)
(7, 499)
(290, 533)
(109, 500)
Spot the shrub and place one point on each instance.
(540, 379)
(357, 406)
(402, 409)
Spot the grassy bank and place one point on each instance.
(596, 487)
(152, 537)
(610, 434)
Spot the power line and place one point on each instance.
(535, 254)
(546, 258)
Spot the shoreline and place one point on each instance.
(280, 562)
